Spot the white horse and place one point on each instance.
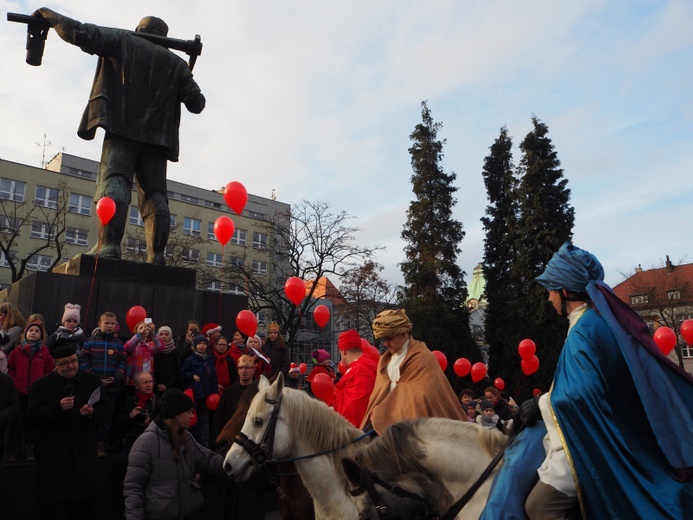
(435, 461)
(301, 426)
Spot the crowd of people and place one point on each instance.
(68, 398)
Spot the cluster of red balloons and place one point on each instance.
(246, 321)
(530, 362)
(463, 366)
(666, 339)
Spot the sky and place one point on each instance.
(316, 100)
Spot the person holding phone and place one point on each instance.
(141, 349)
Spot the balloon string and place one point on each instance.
(220, 285)
(93, 275)
(519, 385)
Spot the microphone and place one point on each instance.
(69, 390)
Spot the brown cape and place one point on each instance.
(422, 391)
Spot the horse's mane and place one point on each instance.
(399, 454)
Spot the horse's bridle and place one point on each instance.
(368, 482)
(261, 453)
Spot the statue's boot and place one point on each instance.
(110, 236)
(156, 230)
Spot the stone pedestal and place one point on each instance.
(167, 293)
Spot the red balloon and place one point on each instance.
(536, 392)
(442, 360)
(529, 366)
(246, 322)
(302, 368)
(527, 348)
(342, 367)
(223, 229)
(193, 420)
(322, 387)
(105, 209)
(236, 196)
(135, 315)
(321, 315)
(665, 338)
(499, 383)
(295, 290)
(478, 372)
(189, 392)
(212, 401)
(686, 330)
(462, 367)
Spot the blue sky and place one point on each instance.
(317, 99)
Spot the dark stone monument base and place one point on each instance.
(137, 272)
(164, 292)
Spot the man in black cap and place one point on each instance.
(64, 410)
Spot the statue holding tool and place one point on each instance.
(136, 98)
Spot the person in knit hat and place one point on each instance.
(167, 362)
(488, 417)
(198, 373)
(322, 364)
(69, 327)
(351, 393)
(27, 363)
(165, 461)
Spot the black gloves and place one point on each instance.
(529, 412)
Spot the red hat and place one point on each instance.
(210, 328)
(349, 339)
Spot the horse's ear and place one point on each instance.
(264, 384)
(277, 387)
(352, 471)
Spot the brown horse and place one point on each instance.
(295, 503)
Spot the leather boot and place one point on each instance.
(156, 230)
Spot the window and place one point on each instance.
(236, 261)
(639, 299)
(236, 289)
(214, 286)
(41, 230)
(12, 190)
(188, 198)
(259, 240)
(9, 225)
(46, 197)
(259, 267)
(136, 246)
(214, 259)
(255, 214)
(80, 204)
(210, 232)
(173, 222)
(191, 255)
(78, 237)
(3, 259)
(238, 237)
(674, 295)
(39, 263)
(135, 217)
(191, 226)
(211, 204)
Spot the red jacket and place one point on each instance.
(353, 390)
(25, 368)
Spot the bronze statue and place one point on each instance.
(136, 96)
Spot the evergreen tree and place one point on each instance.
(435, 293)
(500, 251)
(546, 222)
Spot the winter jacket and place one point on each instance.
(104, 355)
(157, 487)
(10, 338)
(140, 355)
(63, 332)
(196, 365)
(26, 367)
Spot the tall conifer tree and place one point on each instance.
(546, 222)
(435, 293)
(500, 251)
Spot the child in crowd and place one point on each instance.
(276, 350)
(262, 363)
(168, 362)
(11, 326)
(227, 374)
(103, 354)
(199, 374)
(69, 327)
(487, 418)
(141, 349)
(466, 396)
(470, 408)
(29, 361)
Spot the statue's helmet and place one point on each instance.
(152, 25)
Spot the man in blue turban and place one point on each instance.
(619, 413)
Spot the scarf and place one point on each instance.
(222, 367)
(142, 399)
(31, 348)
(169, 346)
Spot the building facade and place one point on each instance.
(35, 202)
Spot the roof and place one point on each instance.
(325, 289)
(657, 284)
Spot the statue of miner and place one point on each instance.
(136, 96)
